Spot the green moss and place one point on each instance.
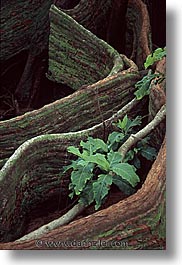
(106, 234)
(78, 57)
(157, 222)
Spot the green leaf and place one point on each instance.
(149, 153)
(80, 177)
(114, 158)
(129, 156)
(87, 195)
(143, 142)
(142, 92)
(127, 125)
(92, 145)
(77, 164)
(101, 188)
(71, 187)
(157, 55)
(122, 124)
(136, 162)
(133, 123)
(122, 185)
(143, 86)
(74, 150)
(115, 137)
(100, 160)
(127, 172)
(66, 168)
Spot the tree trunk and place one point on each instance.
(33, 146)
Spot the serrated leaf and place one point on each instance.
(157, 55)
(129, 156)
(73, 165)
(142, 92)
(94, 144)
(122, 124)
(74, 150)
(114, 158)
(101, 188)
(149, 153)
(115, 137)
(127, 124)
(122, 185)
(80, 177)
(87, 196)
(100, 160)
(127, 172)
(133, 123)
(143, 86)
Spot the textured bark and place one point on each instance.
(127, 29)
(76, 57)
(33, 170)
(137, 222)
(33, 146)
(138, 33)
(95, 103)
(33, 173)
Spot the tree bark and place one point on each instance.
(138, 32)
(33, 146)
(137, 222)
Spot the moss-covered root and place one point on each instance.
(77, 57)
(32, 174)
(138, 222)
(88, 106)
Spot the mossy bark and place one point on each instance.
(33, 146)
(137, 222)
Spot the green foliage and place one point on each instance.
(142, 149)
(157, 55)
(143, 86)
(127, 125)
(101, 188)
(99, 165)
(127, 172)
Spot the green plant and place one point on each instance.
(143, 86)
(157, 55)
(99, 165)
(142, 149)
